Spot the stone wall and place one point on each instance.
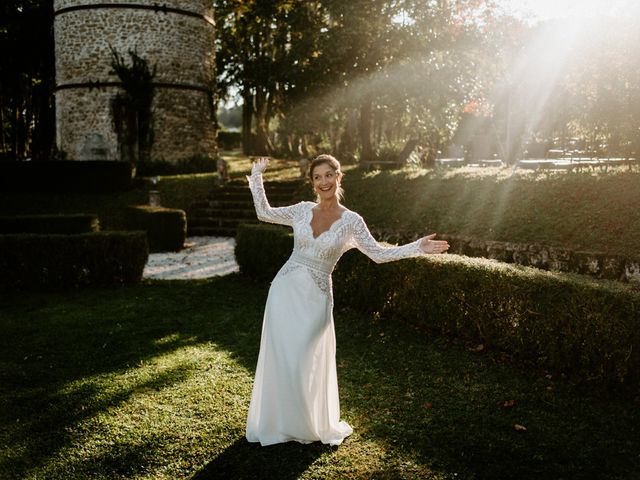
(599, 265)
(177, 36)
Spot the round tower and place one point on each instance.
(175, 36)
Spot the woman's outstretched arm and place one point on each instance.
(380, 253)
(264, 211)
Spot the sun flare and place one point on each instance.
(570, 9)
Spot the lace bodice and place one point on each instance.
(319, 255)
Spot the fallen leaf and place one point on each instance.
(477, 349)
(519, 428)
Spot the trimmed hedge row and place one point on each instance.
(587, 329)
(261, 249)
(166, 227)
(66, 176)
(100, 258)
(61, 224)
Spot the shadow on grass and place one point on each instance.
(244, 460)
(52, 340)
(439, 406)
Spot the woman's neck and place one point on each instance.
(329, 204)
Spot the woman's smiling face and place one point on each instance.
(325, 181)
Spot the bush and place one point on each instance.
(62, 224)
(229, 140)
(262, 249)
(166, 227)
(99, 258)
(565, 323)
(66, 176)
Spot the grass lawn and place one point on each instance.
(153, 381)
(581, 211)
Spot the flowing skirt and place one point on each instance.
(295, 391)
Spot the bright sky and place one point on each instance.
(546, 9)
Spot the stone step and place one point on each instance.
(219, 222)
(246, 196)
(223, 212)
(230, 205)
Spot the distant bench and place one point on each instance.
(577, 164)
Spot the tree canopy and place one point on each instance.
(364, 77)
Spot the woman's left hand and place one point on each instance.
(429, 245)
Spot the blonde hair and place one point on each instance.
(335, 166)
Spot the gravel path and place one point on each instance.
(202, 257)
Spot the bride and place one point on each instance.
(295, 392)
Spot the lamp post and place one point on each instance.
(154, 195)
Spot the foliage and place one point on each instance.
(154, 381)
(27, 118)
(132, 111)
(229, 140)
(252, 241)
(58, 261)
(166, 227)
(95, 176)
(352, 72)
(60, 223)
(563, 323)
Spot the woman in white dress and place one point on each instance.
(295, 391)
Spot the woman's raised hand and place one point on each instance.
(429, 245)
(260, 165)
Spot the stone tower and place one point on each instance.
(177, 36)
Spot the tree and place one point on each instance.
(27, 119)
(261, 46)
(132, 109)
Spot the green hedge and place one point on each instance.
(561, 322)
(229, 140)
(100, 258)
(262, 249)
(62, 224)
(166, 227)
(66, 176)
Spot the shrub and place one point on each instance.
(63, 224)
(229, 140)
(99, 258)
(562, 322)
(166, 227)
(262, 249)
(66, 176)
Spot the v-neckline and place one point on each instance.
(330, 226)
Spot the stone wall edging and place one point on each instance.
(545, 257)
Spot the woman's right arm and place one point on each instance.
(264, 211)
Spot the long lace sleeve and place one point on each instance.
(378, 252)
(264, 211)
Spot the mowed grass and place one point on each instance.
(589, 211)
(154, 381)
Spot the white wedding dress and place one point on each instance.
(295, 392)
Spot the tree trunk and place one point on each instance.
(366, 152)
(263, 144)
(247, 116)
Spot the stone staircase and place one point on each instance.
(220, 214)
